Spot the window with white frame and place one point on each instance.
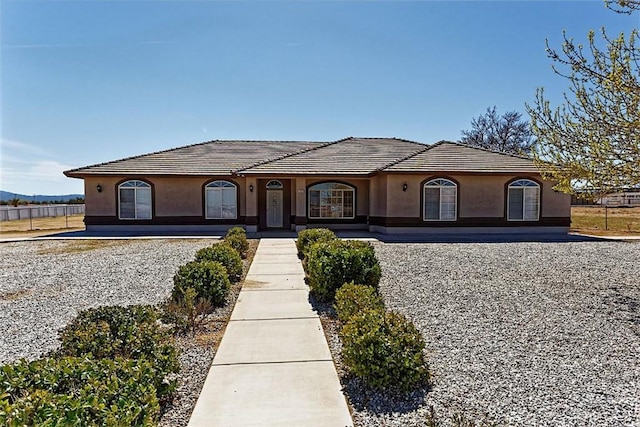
(331, 200)
(134, 200)
(221, 200)
(523, 200)
(440, 200)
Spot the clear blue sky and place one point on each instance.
(85, 82)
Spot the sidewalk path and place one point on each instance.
(273, 366)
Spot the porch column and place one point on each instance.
(251, 219)
(301, 204)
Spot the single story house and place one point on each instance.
(384, 185)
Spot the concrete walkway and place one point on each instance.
(273, 366)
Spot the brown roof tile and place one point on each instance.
(447, 156)
(349, 156)
(208, 158)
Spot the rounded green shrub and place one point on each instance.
(331, 264)
(238, 242)
(352, 299)
(308, 237)
(131, 332)
(385, 349)
(77, 391)
(236, 230)
(208, 278)
(225, 255)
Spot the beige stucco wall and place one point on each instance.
(380, 196)
(555, 203)
(172, 196)
(479, 196)
(104, 203)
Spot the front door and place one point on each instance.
(274, 209)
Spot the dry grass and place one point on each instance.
(591, 220)
(41, 226)
(14, 295)
(69, 247)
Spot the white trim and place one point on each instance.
(135, 185)
(349, 189)
(527, 187)
(441, 184)
(222, 187)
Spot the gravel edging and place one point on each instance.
(517, 334)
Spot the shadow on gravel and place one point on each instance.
(364, 398)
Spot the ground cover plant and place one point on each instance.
(131, 332)
(79, 391)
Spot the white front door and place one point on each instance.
(274, 208)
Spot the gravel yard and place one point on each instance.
(519, 333)
(43, 286)
(522, 334)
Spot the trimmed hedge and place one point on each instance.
(225, 255)
(131, 332)
(308, 237)
(238, 242)
(352, 299)
(208, 278)
(331, 264)
(236, 230)
(73, 391)
(385, 349)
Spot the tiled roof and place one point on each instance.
(207, 158)
(349, 156)
(454, 157)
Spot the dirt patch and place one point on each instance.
(15, 295)
(75, 246)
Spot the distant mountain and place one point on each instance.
(6, 196)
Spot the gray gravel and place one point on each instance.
(523, 334)
(43, 286)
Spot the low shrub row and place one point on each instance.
(204, 284)
(113, 368)
(79, 391)
(330, 262)
(116, 365)
(382, 347)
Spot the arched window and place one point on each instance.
(274, 185)
(440, 200)
(523, 200)
(221, 200)
(134, 200)
(331, 200)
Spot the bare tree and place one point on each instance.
(507, 133)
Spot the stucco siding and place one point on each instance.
(555, 204)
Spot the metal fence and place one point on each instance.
(11, 213)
